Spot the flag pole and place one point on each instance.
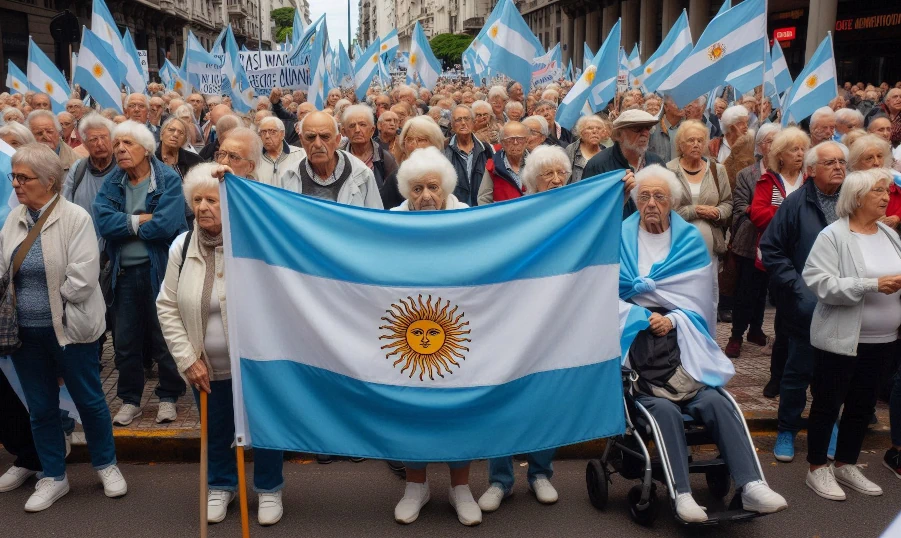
(204, 464)
(242, 493)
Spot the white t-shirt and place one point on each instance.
(652, 248)
(724, 151)
(695, 189)
(881, 313)
(789, 188)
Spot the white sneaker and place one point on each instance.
(416, 496)
(688, 510)
(544, 491)
(269, 508)
(491, 499)
(758, 497)
(166, 413)
(113, 482)
(468, 511)
(68, 444)
(46, 492)
(217, 501)
(126, 414)
(851, 476)
(822, 482)
(14, 477)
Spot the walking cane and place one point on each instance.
(204, 466)
(242, 493)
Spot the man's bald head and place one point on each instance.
(218, 111)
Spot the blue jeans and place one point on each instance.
(222, 471)
(795, 380)
(500, 470)
(419, 465)
(137, 331)
(38, 362)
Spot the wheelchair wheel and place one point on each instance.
(631, 468)
(646, 515)
(597, 479)
(719, 482)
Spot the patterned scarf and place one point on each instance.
(207, 244)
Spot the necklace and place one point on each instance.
(691, 172)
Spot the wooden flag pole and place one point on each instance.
(242, 493)
(204, 465)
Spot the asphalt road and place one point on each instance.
(347, 499)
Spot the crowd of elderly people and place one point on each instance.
(129, 231)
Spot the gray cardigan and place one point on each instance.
(834, 273)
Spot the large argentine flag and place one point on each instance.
(45, 77)
(815, 85)
(366, 67)
(732, 40)
(513, 46)
(415, 336)
(16, 80)
(96, 71)
(674, 49)
(423, 61)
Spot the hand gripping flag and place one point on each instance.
(400, 351)
(95, 71)
(674, 49)
(422, 60)
(815, 86)
(16, 80)
(46, 78)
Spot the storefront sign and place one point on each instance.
(868, 23)
(785, 34)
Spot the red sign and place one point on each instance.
(785, 34)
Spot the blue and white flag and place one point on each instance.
(596, 86)
(388, 46)
(202, 68)
(385, 78)
(681, 283)
(174, 78)
(587, 56)
(95, 71)
(234, 79)
(422, 60)
(746, 79)
(358, 53)
(512, 45)
(300, 54)
(547, 68)
(730, 42)
(815, 86)
(297, 29)
(674, 49)
(44, 77)
(569, 70)
(432, 341)
(134, 76)
(365, 69)
(318, 90)
(8, 198)
(16, 80)
(344, 70)
(782, 78)
(104, 26)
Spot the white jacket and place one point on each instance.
(271, 172)
(834, 272)
(72, 266)
(360, 189)
(178, 303)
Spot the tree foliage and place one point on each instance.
(449, 47)
(283, 18)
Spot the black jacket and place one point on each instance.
(565, 139)
(784, 248)
(467, 190)
(612, 159)
(186, 160)
(290, 120)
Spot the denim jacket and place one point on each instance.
(165, 201)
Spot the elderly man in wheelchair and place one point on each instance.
(668, 314)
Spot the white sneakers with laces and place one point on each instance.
(543, 489)
(822, 482)
(127, 413)
(758, 497)
(416, 496)
(46, 492)
(113, 482)
(269, 508)
(14, 477)
(217, 501)
(850, 475)
(688, 510)
(468, 511)
(166, 413)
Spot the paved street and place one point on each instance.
(346, 500)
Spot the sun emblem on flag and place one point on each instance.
(384, 46)
(49, 87)
(493, 31)
(16, 84)
(811, 81)
(426, 337)
(716, 51)
(648, 70)
(178, 85)
(97, 70)
(589, 74)
(375, 58)
(413, 59)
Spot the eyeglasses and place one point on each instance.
(268, 132)
(880, 190)
(232, 157)
(829, 163)
(132, 106)
(464, 119)
(20, 178)
(515, 139)
(552, 174)
(659, 198)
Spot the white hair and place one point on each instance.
(43, 161)
(199, 177)
(94, 121)
(424, 161)
(184, 125)
(655, 171)
(763, 132)
(19, 116)
(481, 104)
(139, 132)
(732, 114)
(497, 91)
(550, 95)
(513, 104)
(299, 126)
(358, 110)
(539, 160)
(855, 186)
(813, 154)
(279, 124)
(820, 114)
(16, 129)
(866, 143)
(541, 121)
(425, 125)
(251, 140)
(42, 114)
(141, 95)
(580, 124)
(847, 116)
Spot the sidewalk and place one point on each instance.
(145, 440)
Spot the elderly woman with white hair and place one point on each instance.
(50, 251)
(514, 110)
(854, 270)
(679, 366)
(486, 128)
(191, 309)
(419, 132)
(16, 135)
(871, 151)
(13, 114)
(172, 150)
(497, 98)
(590, 132)
(734, 123)
(427, 181)
(139, 211)
(548, 167)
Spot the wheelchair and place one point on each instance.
(628, 456)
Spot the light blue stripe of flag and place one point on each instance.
(104, 26)
(43, 72)
(14, 76)
(135, 76)
(587, 56)
(297, 29)
(364, 70)
(604, 88)
(6, 187)
(106, 57)
(780, 67)
(427, 67)
(824, 90)
(670, 45)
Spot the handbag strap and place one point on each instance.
(30, 239)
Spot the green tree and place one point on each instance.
(449, 47)
(283, 18)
